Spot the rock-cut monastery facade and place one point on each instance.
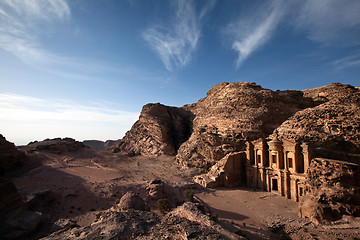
(274, 166)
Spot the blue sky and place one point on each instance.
(84, 69)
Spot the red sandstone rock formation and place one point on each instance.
(202, 133)
(159, 130)
(330, 92)
(233, 112)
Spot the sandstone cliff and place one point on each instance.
(159, 130)
(232, 113)
(202, 133)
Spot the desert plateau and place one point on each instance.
(244, 162)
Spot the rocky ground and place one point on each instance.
(76, 195)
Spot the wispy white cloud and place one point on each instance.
(207, 8)
(22, 22)
(24, 108)
(25, 117)
(41, 9)
(253, 29)
(26, 25)
(330, 21)
(346, 62)
(175, 43)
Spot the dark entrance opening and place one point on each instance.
(275, 184)
(301, 191)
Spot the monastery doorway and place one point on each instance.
(274, 185)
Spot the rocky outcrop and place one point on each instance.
(174, 191)
(202, 133)
(110, 143)
(10, 156)
(111, 225)
(188, 222)
(333, 190)
(56, 145)
(229, 171)
(332, 128)
(232, 113)
(9, 197)
(159, 130)
(185, 222)
(330, 92)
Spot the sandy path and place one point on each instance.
(252, 210)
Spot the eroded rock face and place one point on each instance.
(330, 92)
(202, 133)
(332, 128)
(159, 130)
(188, 222)
(229, 172)
(10, 156)
(56, 145)
(232, 113)
(333, 190)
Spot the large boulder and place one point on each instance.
(159, 130)
(131, 200)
